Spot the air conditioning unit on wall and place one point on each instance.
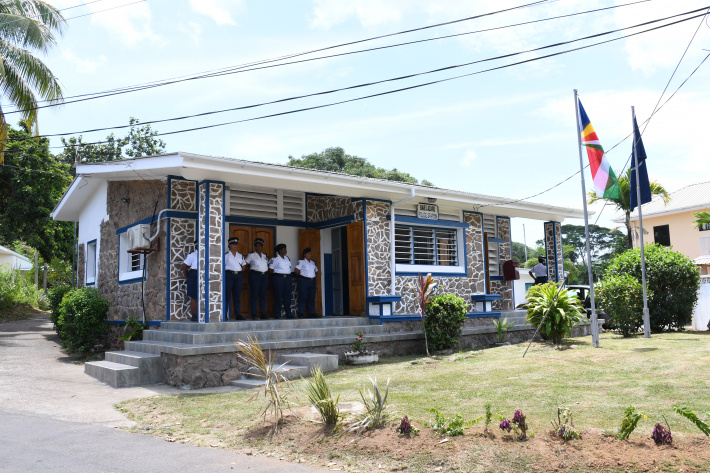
(138, 237)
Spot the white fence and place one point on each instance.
(701, 315)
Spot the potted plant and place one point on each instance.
(360, 355)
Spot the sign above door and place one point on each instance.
(428, 211)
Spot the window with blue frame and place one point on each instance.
(428, 248)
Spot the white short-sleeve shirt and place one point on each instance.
(191, 260)
(308, 268)
(258, 262)
(280, 265)
(233, 262)
(539, 270)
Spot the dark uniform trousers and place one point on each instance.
(258, 282)
(234, 283)
(306, 295)
(282, 294)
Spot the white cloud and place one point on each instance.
(370, 13)
(191, 29)
(131, 24)
(83, 65)
(468, 159)
(221, 11)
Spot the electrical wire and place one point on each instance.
(252, 66)
(408, 76)
(40, 15)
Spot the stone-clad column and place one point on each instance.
(553, 247)
(210, 218)
(182, 234)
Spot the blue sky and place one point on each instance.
(509, 133)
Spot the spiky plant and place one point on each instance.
(554, 313)
(319, 395)
(277, 388)
(425, 288)
(374, 413)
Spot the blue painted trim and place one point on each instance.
(265, 221)
(167, 269)
(445, 275)
(479, 315)
(145, 220)
(367, 274)
(383, 299)
(86, 262)
(485, 297)
(333, 222)
(168, 214)
(328, 283)
(427, 222)
(150, 323)
(403, 318)
(379, 200)
(224, 241)
(180, 214)
(497, 278)
(496, 240)
(129, 281)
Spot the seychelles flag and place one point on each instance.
(605, 183)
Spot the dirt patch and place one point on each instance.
(303, 440)
(21, 312)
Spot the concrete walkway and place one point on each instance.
(55, 418)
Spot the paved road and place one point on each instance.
(55, 418)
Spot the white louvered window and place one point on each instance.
(266, 203)
(425, 246)
(490, 227)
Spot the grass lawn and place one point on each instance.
(597, 384)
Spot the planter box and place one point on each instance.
(361, 358)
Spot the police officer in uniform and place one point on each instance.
(189, 270)
(258, 267)
(233, 265)
(280, 268)
(306, 270)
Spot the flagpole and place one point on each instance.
(646, 316)
(595, 325)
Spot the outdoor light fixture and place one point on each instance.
(431, 200)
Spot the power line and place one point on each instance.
(41, 15)
(408, 76)
(252, 66)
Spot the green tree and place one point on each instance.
(26, 26)
(604, 245)
(140, 141)
(702, 219)
(519, 252)
(672, 281)
(31, 184)
(623, 202)
(335, 160)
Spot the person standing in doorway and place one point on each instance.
(539, 271)
(233, 265)
(189, 270)
(257, 267)
(280, 268)
(306, 270)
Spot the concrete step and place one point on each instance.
(285, 370)
(150, 365)
(263, 335)
(268, 324)
(117, 375)
(247, 383)
(327, 363)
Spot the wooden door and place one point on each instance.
(357, 282)
(310, 238)
(246, 236)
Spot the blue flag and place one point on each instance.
(643, 173)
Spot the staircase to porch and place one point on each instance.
(300, 343)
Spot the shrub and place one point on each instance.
(629, 422)
(56, 295)
(518, 425)
(672, 279)
(82, 318)
(445, 316)
(662, 435)
(563, 313)
(15, 288)
(319, 395)
(621, 297)
(375, 413)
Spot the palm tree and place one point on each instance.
(703, 218)
(623, 202)
(26, 26)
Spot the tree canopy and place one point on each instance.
(623, 202)
(31, 183)
(140, 141)
(26, 26)
(604, 245)
(335, 160)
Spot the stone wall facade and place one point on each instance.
(553, 246)
(378, 248)
(503, 288)
(126, 299)
(327, 207)
(210, 212)
(183, 197)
